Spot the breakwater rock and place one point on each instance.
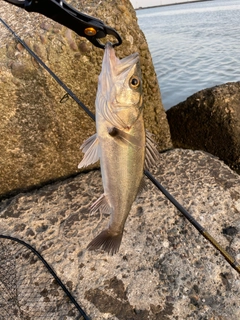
(164, 269)
(209, 120)
(41, 132)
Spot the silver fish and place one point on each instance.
(119, 144)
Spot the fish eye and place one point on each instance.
(134, 82)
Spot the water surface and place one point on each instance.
(194, 46)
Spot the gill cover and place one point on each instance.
(119, 96)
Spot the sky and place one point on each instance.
(143, 3)
(150, 3)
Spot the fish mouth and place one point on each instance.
(116, 66)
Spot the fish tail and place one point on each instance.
(106, 241)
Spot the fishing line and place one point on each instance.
(187, 215)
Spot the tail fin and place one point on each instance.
(107, 241)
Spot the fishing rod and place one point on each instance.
(231, 260)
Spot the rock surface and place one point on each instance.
(209, 120)
(40, 136)
(164, 269)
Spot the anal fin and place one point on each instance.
(101, 204)
(91, 149)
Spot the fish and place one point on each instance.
(120, 142)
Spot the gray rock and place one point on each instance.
(209, 120)
(40, 136)
(164, 269)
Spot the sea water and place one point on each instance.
(194, 46)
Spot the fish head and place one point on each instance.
(120, 89)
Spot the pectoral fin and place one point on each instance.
(123, 136)
(91, 149)
(152, 154)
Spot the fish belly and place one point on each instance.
(122, 171)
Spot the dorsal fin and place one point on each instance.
(152, 154)
(142, 185)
